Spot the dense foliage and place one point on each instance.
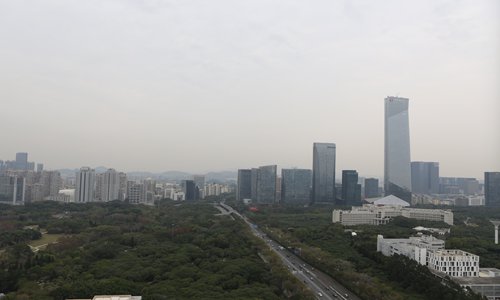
(170, 251)
(353, 260)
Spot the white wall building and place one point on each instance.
(416, 248)
(377, 215)
(110, 186)
(455, 263)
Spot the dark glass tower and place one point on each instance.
(425, 177)
(323, 173)
(296, 186)
(371, 188)
(397, 170)
(244, 188)
(492, 189)
(266, 184)
(351, 190)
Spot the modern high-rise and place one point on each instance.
(39, 167)
(351, 190)
(136, 192)
(492, 189)
(397, 169)
(22, 161)
(253, 192)
(110, 186)
(51, 182)
(296, 186)
(12, 189)
(122, 192)
(371, 188)
(266, 184)
(425, 177)
(85, 185)
(244, 187)
(190, 189)
(199, 180)
(323, 186)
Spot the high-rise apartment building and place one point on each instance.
(397, 170)
(351, 190)
(51, 182)
(323, 189)
(122, 192)
(135, 192)
(110, 186)
(12, 189)
(371, 188)
(39, 167)
(296, 186)
(244, 187)
(425, 177)
(266, 184)
(492, 189)
(85, 185)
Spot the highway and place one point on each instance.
(322, 285)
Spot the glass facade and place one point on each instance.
(351, 190)
(296, 186)
(324, 172)
(244, 189)
(492, 189)
(266, 184)
(397, 170)
(371, 188)
(425, 177)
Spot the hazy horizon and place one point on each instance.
(198, 86)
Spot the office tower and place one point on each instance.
(21, 161)
(371, 188)
(85, 185)
(253, 192)
(30, 166)
(323, 173)
(351, 190)
(397, 170)
(266, 184)
(425, 177)
(296, 186)
(492, 189)
(190, 190)
(135, 192)
(39, 167)
(110, 186)
(51, 182)
(278, 190)
(122, 193)
(199, 180)
(12, 189)
(244, 187)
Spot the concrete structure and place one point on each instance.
(244, 186)
(12, 189)
(455, 263)
(397, 172)
(110, 186)
(266, 184)
(371, 188)
(296, 186)
(136, 193)
(416, 248)
(487, 284)
(323, 189)
(85, 185)
(122, 192)
(377, 215)
(425, 177)
(492, 189)
(351, 190)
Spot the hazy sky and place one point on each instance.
(225, 84)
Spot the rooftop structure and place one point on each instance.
(416, 248)
(455, 263)
(391, 200)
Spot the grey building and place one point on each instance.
(425, 177)
(199, 180)
(21, 161)
(296, 186)
(110, 186)
(371, 188)
(492, 189)
(244, 187)
(12, 190)
(351, 190)
(253, 192)
(39, 167)
(397, 170)
(323, 189)
(85, 185)
(266, 184)
(190, 189)
(136, 192)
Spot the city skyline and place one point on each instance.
(158, 82)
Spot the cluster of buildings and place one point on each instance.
(461, 266)
(383, 210)
(19, 184)
(415, 182)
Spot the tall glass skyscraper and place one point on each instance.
(492, 189)
(424, 177)
(397, 169)
(324, 172)
(266, 184)
(351, 190)
(296, 186)
(244, 188)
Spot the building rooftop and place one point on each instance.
(392, 201)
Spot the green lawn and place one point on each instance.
(47, 238)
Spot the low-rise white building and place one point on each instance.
(455, 263)
(416, 248)
(377, 215)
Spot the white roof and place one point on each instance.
(392, 201)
